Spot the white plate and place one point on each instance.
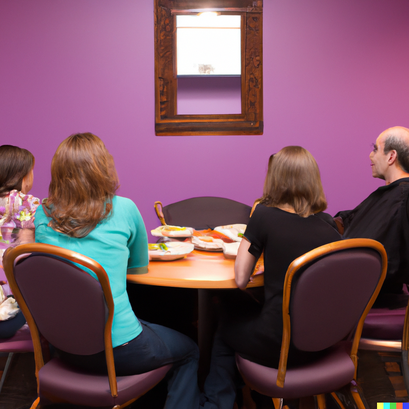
(176, 250)
(232, 231)
(214, 245)
(172, 231)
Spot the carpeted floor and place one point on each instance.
(379, 378)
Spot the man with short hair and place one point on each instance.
(384, 214)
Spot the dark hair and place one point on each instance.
(83, 183)
(15, 164)
(293, 178)
(394, 143)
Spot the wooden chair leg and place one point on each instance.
(278, 403)
(35, 403)
(356, 395)
(337, 400)
(321, 403)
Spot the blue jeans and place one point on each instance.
(223, 380)
(154, 347)
(9, 327)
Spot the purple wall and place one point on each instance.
(335, 76)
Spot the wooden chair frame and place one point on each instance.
(293, 268)
(11, 256)
(159, 212)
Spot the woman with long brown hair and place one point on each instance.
(285, 224)
(84, 214)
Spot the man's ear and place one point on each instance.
(392, 157)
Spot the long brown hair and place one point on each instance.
(293, 178)
(83, 183)
(15, 165)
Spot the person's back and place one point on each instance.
(384, 215)
(111, 243)
(284, 236)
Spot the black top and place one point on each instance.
(384, 216)
(283, 237)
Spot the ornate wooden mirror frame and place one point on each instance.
(250, 121)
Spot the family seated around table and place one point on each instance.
(17, 209)
(83, 213)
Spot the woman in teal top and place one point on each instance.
(83, 214)
(118, 243)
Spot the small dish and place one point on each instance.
(172, 231)
(169, 251)
(207, 243)
(230, 249)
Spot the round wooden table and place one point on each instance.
(202, 270)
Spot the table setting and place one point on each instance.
(176, 242)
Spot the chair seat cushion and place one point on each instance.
(332, 371)
(385, 324)
(20, 342)
(82, 388)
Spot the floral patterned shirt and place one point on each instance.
(17, 212)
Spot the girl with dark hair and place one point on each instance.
(17, 210)
(83, 214)
(284, 225)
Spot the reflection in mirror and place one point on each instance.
(208, 95)
(205, 96)
(208, 45)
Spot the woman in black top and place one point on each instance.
(286, 224)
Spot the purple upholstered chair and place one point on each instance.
(405, 349)
(206, 212)
(74, 312)
(20, 342)
(388, 330)
(327, 294)
(383, 330)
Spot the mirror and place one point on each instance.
(180, 100)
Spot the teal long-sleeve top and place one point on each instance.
(118, 243)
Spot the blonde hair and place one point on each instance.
(293, 178)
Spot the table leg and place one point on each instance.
(206, 329)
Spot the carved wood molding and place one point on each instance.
(250, 121)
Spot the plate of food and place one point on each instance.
(172, 231)
(172, 250)
(207, 243)
(232, 231)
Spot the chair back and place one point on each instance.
(330, 296)
(327, 294)
(69, 307)
(206, 212)
(67, 304)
